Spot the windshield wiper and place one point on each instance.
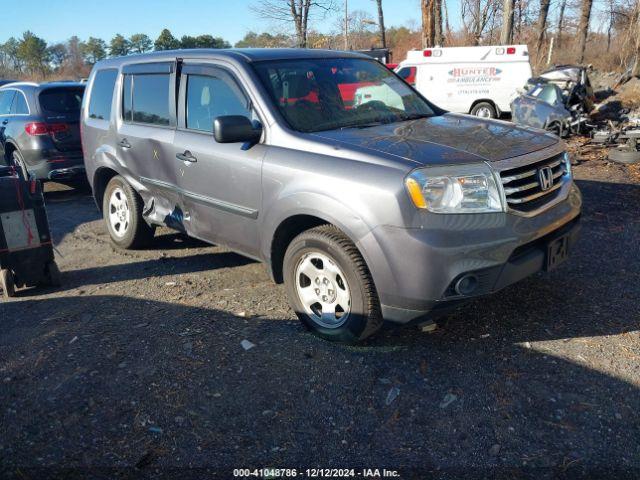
(414, 116)
(363, 125)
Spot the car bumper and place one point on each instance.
(57, 166)
(416, 270)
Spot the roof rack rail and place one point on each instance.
(13, 84)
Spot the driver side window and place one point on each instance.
(210, 97)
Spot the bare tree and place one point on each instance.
(296, 11)
(506, 35)
(428, 23)
(446, 19)
(439, 36)
(477, 15)
(563, 5)
(583, 28)
(635, 32)
(542, 24)
(383, 35)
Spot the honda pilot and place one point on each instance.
(380, 209)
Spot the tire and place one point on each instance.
(121, 203)
(7, 283)
(352, 309)
(484, 110)
(624, 155)
(18, 162)
(53, 274)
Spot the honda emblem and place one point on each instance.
(545, 178)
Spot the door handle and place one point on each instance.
(124, 143)
(4, 122)
(186, 156)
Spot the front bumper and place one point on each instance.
(415, 269)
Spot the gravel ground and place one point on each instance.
(135, 367)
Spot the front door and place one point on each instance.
(220, 183)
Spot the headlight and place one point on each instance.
(455, 189)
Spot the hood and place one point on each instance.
(444, 139)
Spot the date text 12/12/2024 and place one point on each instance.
(272, 473)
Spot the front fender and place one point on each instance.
(332, 211)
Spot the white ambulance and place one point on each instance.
(481, 81)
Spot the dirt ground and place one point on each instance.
(135, 366)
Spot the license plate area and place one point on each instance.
(557, 252)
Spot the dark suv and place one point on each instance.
(40, 129)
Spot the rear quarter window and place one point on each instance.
(102, 94)
(61, 100)
(19, 106)
(6, 99)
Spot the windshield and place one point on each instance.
(327, 94)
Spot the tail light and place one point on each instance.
(41, 128)
(427, 53)
(511, 50)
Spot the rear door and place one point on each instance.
(60, 107)
(221, 183)
(145, 138)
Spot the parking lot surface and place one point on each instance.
(137, 363)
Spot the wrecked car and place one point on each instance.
(558, 100)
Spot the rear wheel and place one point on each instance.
(18, 162)
(8, 284)
(122, 211)
(484, 110)
(330, 287)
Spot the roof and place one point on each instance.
(241, 54)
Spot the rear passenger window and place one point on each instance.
(19, 106)
(6, 99)
(146, 98)
(102, 94)
(211, 97)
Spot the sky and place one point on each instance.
(57, 20)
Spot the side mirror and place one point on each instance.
(235, 129)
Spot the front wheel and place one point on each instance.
(330, 286)
(484, 110)
(122, 211)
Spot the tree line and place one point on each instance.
(31, 56)
(570, 39)
(557, 31)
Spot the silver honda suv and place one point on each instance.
(370, 204)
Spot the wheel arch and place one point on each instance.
(9, 148)
(302, 215)
(101, 177)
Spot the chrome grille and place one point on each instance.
(522, 186)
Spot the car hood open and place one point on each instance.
(444, 139)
